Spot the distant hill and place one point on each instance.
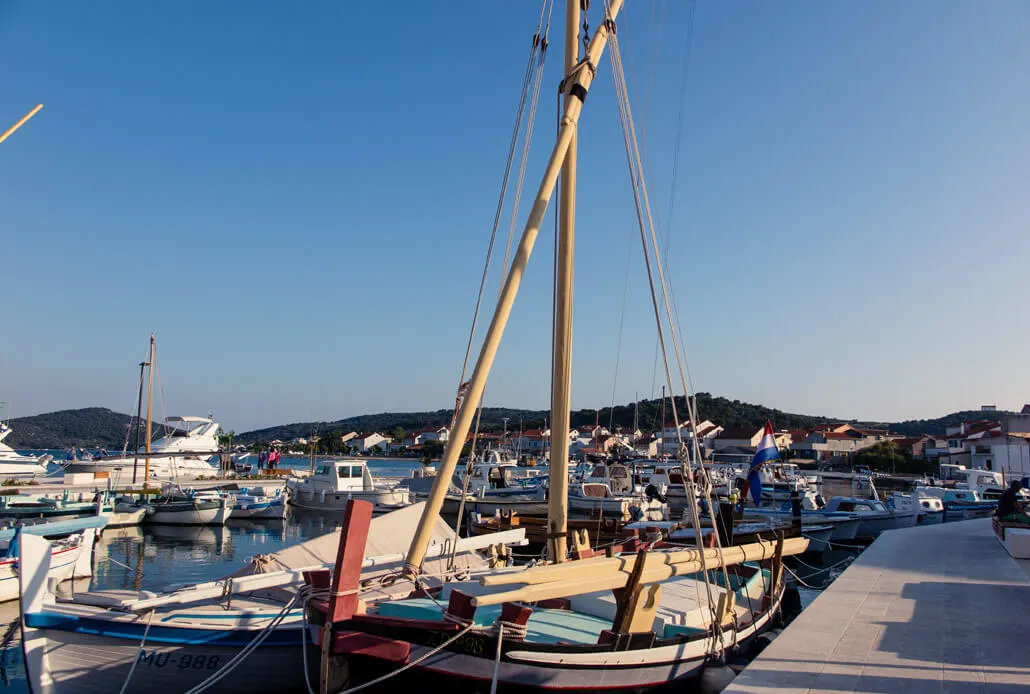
(90, 427)
(648, 415)
(916, 427)
(99, 427)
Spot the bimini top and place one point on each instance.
(189, 419)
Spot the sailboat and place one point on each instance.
(644, 615)
(184, 452)
(250, 625)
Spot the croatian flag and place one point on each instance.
(766, 451)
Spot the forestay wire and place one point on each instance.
(531, 82)
(650, 245)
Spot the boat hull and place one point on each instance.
(190, 516)
(337, 501)
(94, 664)
(161, 468)
(274, 508)
(551, 670)
(488, 507)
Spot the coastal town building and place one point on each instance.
(367, 443)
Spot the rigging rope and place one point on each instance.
(531, 81)
(643, 210)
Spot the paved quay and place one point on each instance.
(929, 609)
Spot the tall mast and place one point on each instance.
(139, 411)
(561, 377)
(663, 422)
(150, 406)
(578, 85)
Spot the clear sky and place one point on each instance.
(297, 198)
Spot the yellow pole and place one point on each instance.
(580, 84)
(150, 407)
(561, 378)
(24, 119)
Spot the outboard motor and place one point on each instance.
(652, 493)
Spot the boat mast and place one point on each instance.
(561, 365)
(139, 411)
(150, 406)
(24, 119)
(577, 85)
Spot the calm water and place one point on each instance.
(152, 557)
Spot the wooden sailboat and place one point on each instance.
(645, 615)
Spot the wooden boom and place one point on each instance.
(591, 576)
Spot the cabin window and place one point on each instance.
(344, 471)
(598, 471)
(846, 506)
(620, 472)
(322, 470)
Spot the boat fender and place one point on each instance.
(762, 642)
(636, 513)
(715, 677)
(321, 497)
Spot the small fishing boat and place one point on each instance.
(844, 525)
(255, 503)
(168, 643)
(68, 557)
(609, 489)
(874, 515)
(15, 464)
(176, 506)
(966, 504)
(334, 483)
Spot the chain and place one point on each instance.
(584, 6)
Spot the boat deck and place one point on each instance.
(927, 609)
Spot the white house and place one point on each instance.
(440, 434)
(365, 443)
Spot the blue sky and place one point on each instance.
(297, 199)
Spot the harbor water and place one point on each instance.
(153, 557)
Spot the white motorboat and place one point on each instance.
(184, 453)
(874, 515)
(15, 464)
(609, 489)
(335, 483)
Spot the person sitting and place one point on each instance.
(1009, 506)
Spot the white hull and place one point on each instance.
(210, 516)
(29, 467)
(161, 468)
(619, 506)
(66, 563)
(93, 664)
(337, 501)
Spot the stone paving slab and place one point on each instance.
(939, 609)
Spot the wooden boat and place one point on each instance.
(189, 634)
(648, 615)
(601, 530)
(183, 507)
